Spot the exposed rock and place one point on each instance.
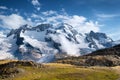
(10, 69)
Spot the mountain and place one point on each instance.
(103, 57)
(43, 42)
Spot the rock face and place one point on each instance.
(100, 37)
(43, 42)
(103, 57)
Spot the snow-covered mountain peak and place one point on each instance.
(99, 36)
(43, 42)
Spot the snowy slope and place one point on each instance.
(43, 42)
(7, 47)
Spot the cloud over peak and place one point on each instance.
(55, 18)
(79, 22)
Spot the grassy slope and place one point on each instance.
(54, 71)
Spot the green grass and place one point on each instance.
(54, 71)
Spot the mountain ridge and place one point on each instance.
(42, 42)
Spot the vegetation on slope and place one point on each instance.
(54, 71)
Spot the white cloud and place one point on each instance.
(16, 10)
(34, 15)
(51, 12)
(3, 7)
(79, 22)
(37, 19)
(64, 11)
(68, 47)
(36, 4)
(75, 20)
(107, 15)
(38, 8)
(12, 21)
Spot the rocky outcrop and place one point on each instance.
(12, 68)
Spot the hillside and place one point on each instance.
(103, 57)
(25, 70)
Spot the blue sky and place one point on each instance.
(97, 15)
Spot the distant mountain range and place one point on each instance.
(43, 42)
